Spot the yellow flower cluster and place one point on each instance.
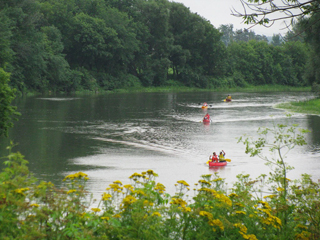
(45, 185)
(204, 182)
(96, 209)
(106, 196)
(34, 205)
(117, 182)
(216, 222)
(233, 195)
(241, 212)
(212, 222)
(183, 182)
(239, 204)
(206, 214)
(221, 197)
(156, 214)
(76, 175)
(115, 187)
(304, 235)
(128, 186)
(21, 190)
(160, 187)
(270, 196)
(178, 201)
(139, 192)
(152, 173)
(147, 203)
(218, 179)
(128, 200)
(135, 176)
(243, 231)
(268, 219)
(71, 191)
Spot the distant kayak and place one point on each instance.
(217, 164)
(204, 105)
(227, 100)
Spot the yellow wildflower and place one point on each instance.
(218, 179)
(204, 182)
(129, 200)
(117, 182)
(233, 195)
(178, 201)
(241, 212)
(187, 209)
(183, 183)
(106, 197)
(76, 175)
(34, 205)
(206, 214)
(21, 190)
(105, 218)
(216, 222)
(71, 191)
(280, 189)
(96, 209)
(160, 187)
(156, 214)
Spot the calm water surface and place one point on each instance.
(113, 136)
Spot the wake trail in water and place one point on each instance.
(144, 144)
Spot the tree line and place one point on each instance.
(64, 46)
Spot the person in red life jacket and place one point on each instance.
(214, 157)
(206, 117)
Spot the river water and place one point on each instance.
(112, 136)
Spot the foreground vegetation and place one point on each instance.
(30, 209)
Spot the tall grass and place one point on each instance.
(311, 106)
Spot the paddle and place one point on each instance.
(228, 160)
(224, 100)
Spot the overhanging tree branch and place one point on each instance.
(266, 12)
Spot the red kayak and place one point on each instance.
(217, 164)
(206, 120)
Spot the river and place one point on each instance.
(112, 136)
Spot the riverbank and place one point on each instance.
(310, 107)
(262, 88)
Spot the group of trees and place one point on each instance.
(57, 45)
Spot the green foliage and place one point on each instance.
(279, 140)
(8, 112)
(59, 46)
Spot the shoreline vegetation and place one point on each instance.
(260, 88)
(309, 106)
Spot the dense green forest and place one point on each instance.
(58, 45)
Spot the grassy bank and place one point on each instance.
(263, 88)
(310, 106)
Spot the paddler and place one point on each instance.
(214, 157)
(222, 156)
